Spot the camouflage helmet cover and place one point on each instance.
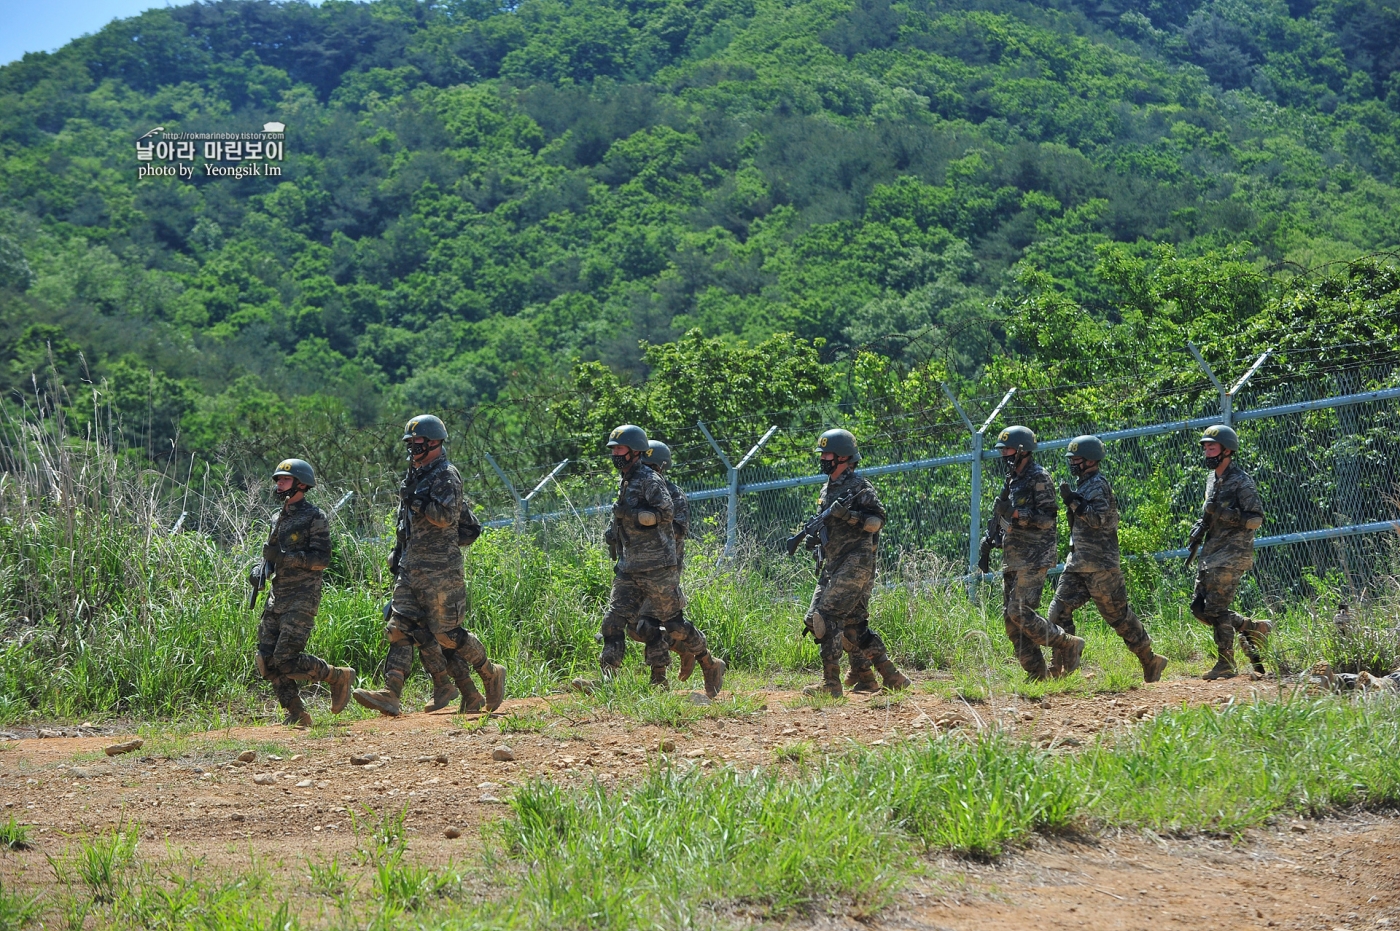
(1019, 438)
(426, 426)
(631, 436)
(840, 443)
(1225, 436)
(1087, 446)
(298, 469)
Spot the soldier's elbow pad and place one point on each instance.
(873, 523)
(1254, 523)
(646, 518)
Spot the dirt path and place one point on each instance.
(1335, 874)
(293, 799)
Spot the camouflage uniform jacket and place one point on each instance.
(680, 519)
(845, 541)
(1229, 543)
(643, 548)
(433, 516)
(1029, 542)
(1093, 543)
(302, 535)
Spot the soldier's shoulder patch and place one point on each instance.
(1041, 486)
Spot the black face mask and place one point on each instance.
(1213, 462)
(827, 466)
(621, 462)
(284, 495)
(1081, 470)
(1009, 463)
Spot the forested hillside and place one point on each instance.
(478, 198)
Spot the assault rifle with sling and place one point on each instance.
(1202, 529)
(814, 531)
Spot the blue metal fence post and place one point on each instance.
(514, 495)
(974, 515)
(731, 529)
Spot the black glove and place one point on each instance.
(1067, 495)
(984, 557)
(841, 511)
(271, 554)
(1211, 508)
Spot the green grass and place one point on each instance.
(167, 637)
(13, 835)
(683, 847)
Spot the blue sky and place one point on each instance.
(44, 25)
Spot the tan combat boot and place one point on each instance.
(444, 693)
(1224, 667)
(894, 679)
(297, 719)
(831, 682)
(1067, 655)
(385, 700)
(1152, 665)
(493, 680)
(339, 682)
(688, 661)
(713, 670)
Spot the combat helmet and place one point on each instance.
(299, 469)
(1222, 434)
(1087, 446)
(840, 443)
(658, 455)
(631, 436)
(1019, 438)
(425, 426)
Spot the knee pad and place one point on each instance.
(647, 629)
(1198, 610)
(453, 639)
(614, 648)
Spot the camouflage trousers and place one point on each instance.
(1025, 628)
(839, 618)
(1106, 590)
(1210, 603)
(647, 605)
(426, 612)
(282, 637)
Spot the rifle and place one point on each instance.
(995, 537)
(1202, 529)
(814, 529)
(264, 569)
(258, 580)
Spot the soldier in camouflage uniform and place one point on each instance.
(1224, 537)
(294, 557)
(1023, 527)
(430, 597)
(685, 638)
(646, 602)
(1092, 571)
(839, 616)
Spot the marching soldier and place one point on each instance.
(1224, 537)
(839, 616)
(1092, 571)
(430, 596)
(646, 602)
(295, 556)
(686, 640)
(1024, 528)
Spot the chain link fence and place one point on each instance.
(1323, 449)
